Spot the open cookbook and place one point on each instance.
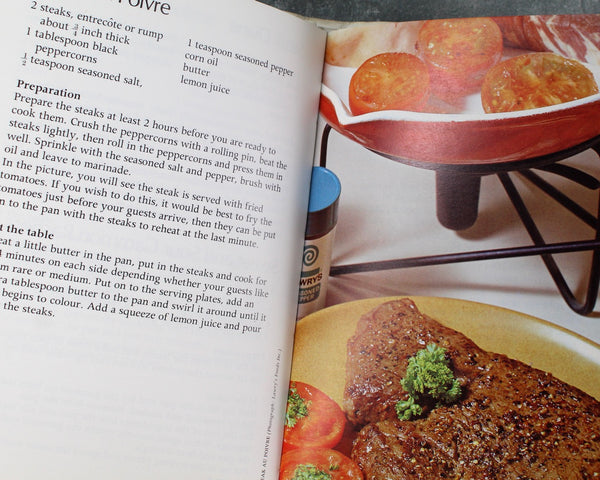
(159, 314)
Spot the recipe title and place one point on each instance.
(150, 5)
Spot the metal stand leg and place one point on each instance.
(586, 306)
(447, 215)
(457, 199)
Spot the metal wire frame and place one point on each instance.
(540, 247)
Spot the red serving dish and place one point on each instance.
(471, 137)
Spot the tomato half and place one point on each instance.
(535, 80)
(389, 81)
(458, 52)
(335, 464)
(322, 423)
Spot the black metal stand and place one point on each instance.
(469, 176)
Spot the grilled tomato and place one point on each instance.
(389, 81)
(313, 419)
(318, 463)
(458, 52)
(535, 80)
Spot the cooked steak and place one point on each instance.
(513, 421)
(378, 354)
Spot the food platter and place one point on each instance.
(320, 344)
(464, 138)
(457, 132)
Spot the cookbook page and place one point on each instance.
(155, 172)
(449, 139)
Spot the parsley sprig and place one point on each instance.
(429, 380)
(297, 407)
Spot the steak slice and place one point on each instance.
(378, 353)
(513, 421)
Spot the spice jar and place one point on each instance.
(325, 192)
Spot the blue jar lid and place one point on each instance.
(325, 189)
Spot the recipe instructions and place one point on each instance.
(65, 157)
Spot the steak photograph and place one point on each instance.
(510, 420)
